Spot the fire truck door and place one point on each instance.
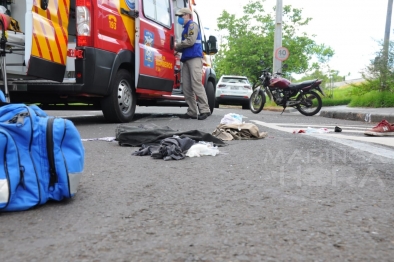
(155, 46)
(46, 34)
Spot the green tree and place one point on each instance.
(378, 75)
(332, 75)
(250, 39)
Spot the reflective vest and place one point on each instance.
(196, 49)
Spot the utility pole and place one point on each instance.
(277, 67)
(387, 42)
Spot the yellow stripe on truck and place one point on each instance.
(62, 19)
(128, 22)
(50, 31)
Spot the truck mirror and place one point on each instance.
(206, 47)
(212, 48)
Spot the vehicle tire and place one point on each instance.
(210, 91)
(257, 101)
(216, 104)
(246, 106)
(311, 103)
(119, 106)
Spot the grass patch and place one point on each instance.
(335, 102)
(374, 99)
(270, 103)
(338, 96)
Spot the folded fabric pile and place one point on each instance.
(243, 131)
(232, 127)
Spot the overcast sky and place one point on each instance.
(350, 27)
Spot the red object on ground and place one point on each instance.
(384, 128)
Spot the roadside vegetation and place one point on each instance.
(246, 48)
(377, 89)
(351, 96)
(337, 96)
(246, 42)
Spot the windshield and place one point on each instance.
(235, 80)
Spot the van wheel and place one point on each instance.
(216, 104)
(119, 106)
(210, 90)
(245, 106)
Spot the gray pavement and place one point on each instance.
(286, 197)
(359, 113)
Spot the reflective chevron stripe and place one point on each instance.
(50, 31)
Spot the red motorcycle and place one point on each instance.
(284, 93)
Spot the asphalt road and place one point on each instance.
(291, 197)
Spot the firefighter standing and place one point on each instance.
(191, 48)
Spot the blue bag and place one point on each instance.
(41, 157)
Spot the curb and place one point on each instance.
(365, 117)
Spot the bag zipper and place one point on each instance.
(51, 156)
(19, 119)
(21, 169)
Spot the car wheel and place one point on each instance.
(119, 106)
(246, 106)
(216, 104)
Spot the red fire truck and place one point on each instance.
(105, 54)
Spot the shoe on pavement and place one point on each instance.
(187, 116)
(203, 116)
(384, 128)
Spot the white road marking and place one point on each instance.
(324, 126)
(78, 116)
(348, 140)
(294, 127)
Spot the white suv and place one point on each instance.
(233, 90)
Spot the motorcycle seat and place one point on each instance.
(296, 86)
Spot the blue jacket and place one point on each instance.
(194, 50)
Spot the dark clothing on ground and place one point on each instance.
(137, 136)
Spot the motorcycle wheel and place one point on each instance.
(311, 103)
(257, 101)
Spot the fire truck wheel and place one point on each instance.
(119, 106)
(210, 90)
